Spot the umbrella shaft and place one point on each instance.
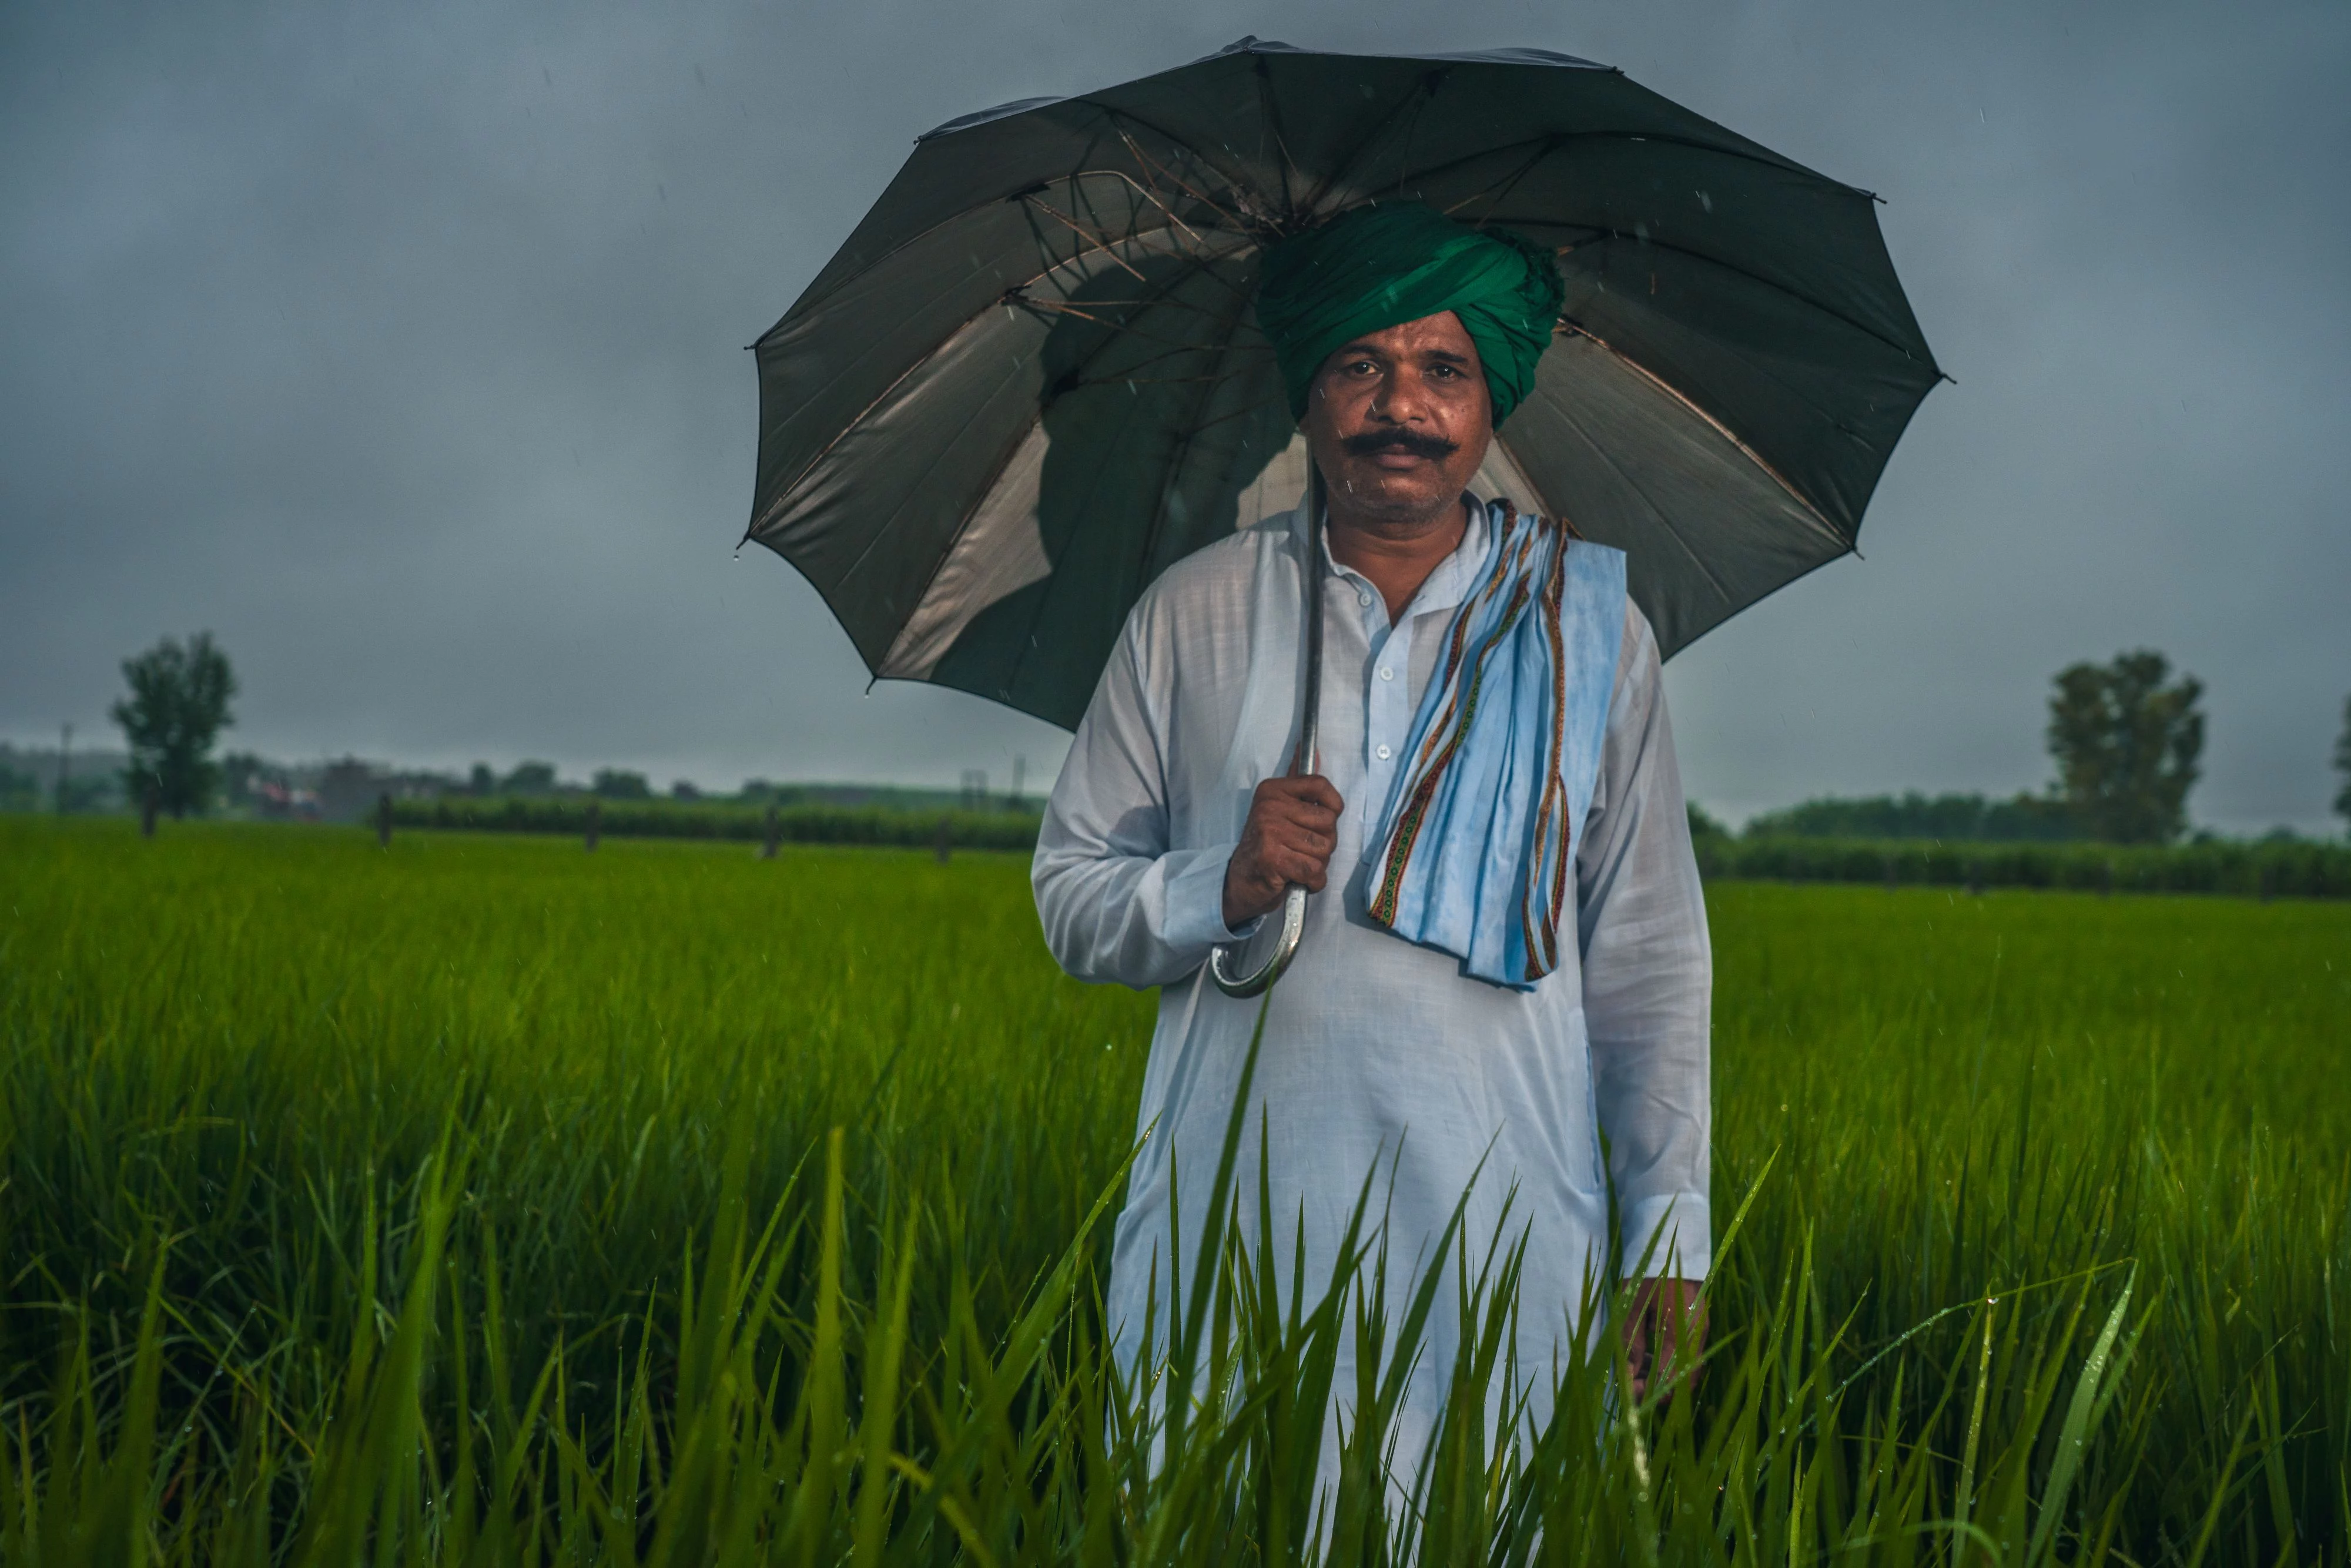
(1225, 960)
(1303, 760)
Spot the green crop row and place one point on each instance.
(802, 824)
(2293, 870)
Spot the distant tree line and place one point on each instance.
(2127, 737)
(2282, 869)
(2026, 818)
(799, 823)
(2127, 740)
(19, 792)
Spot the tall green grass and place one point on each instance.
(480, 1200)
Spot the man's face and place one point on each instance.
(1399, 420)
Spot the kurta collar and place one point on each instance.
(1449, 584)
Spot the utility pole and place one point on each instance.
(64, 750)
(1020, 779)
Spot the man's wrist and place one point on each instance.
(1196, 911)
(1229, 905)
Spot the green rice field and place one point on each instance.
(484, 1200)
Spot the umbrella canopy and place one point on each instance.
(1033, 377)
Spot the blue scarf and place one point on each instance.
(1477, 847)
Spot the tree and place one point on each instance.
(177, 708)
(2343, 765)
(2126, 739)
(618, 784)
(531, 778)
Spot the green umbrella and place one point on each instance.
(1033, 377)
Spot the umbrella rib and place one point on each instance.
(804, 306)
(1493, 194)
(1105, 244)
(1541, 148)
(1192, 427)
(1196, 264)
(1270, 108)
(1096, 241)
(1173, 345)
(1121, 117)
(1159, 510)
(1136, 235)
(1423, 88)
(1831, 311)
(1550, 142)
(996, 473)
(954, 537)
(1600, 450)
(1004, 300)
(1546, 145)
(1151, 167)
(1765, 371)
(1068, 307)
(1813, 513)
(938, 453)
(1169, 345)
(1239, 187)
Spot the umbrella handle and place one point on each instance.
(1224, 959)
(1227, 954)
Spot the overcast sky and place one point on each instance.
(401, 346)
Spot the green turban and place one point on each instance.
(1380, 267)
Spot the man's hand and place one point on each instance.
(1293, 825)
(1666, 1327)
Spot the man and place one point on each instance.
(1495, 773)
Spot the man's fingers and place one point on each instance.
(1286, 866)
(1310, 874)
(1291, 819)
(1310, 844)
(1303, 814)
(1314, 788)
(1293, 830)
(1311, 788)
(1305, 838)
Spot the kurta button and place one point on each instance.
(1364, 600)
(1386, 673)
(1382, 754)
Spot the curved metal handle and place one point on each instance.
(1225, 958)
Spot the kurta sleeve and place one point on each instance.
(1116, 902)
(1648, 976)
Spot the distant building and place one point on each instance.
(348, 790)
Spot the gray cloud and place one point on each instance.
(402, 346)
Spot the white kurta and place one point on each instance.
(1380, 1058)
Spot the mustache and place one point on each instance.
(1420, 443)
